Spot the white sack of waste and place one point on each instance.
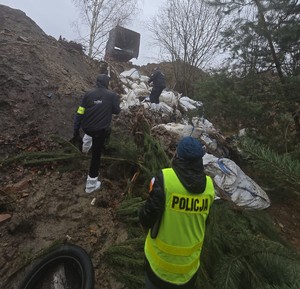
(210, 144)
(132, 74)
(182, 129)
(165, 108)
(232, 183)
(186, 105)
(194, 102)
(204, 124)
(197, 132)
(189, 104)
(140, 85)
(169, 98)
(87, 142)
(144, 78)
(130, 99)
(141, 92)
(126, 81)
(126, 89)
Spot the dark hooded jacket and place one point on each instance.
(191, 175)
(158, 79)
(99, 105)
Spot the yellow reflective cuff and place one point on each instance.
(176, 250)
(81, 110)
(171, 267)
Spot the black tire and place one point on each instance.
(73, 257)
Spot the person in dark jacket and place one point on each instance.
(174, 215)
(158, 80)
(94, 116)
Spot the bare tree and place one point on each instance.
(98, 17)
(187, 31)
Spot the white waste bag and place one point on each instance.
(165, 108)
(189, 104)
(232, 183)
(86, 143)
(130, 99)
(169, 98)
(132, 73)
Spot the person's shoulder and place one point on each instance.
(112, 93)
(89, 93)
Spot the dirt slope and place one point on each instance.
(41, 85)
(42, 80)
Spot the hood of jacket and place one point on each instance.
(190, 173)
(102, 80)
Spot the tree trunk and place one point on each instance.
(268, 36)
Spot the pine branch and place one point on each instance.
(283, 166)
(131, 281)
(237, 250)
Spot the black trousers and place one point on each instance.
(155, 93)
(98, 139)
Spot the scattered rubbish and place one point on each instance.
(230, 181)
(50, 95)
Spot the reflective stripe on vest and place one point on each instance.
(174, 255)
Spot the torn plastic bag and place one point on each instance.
(87, 142)
(233, 184)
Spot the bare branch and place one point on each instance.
(98, 17)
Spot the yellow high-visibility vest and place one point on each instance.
(174, 255)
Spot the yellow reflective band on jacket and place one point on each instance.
(174, 255)
(177, 250)
(81, 110)
(173, 268)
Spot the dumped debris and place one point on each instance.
(231, 182)
(48, 205)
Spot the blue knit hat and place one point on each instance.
(190, 148)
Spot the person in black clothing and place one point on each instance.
(159, 83)
(174, 217)
(94, 115)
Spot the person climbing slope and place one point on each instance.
(94, 115)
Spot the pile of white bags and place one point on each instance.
(230, 181)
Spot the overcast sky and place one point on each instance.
(55, 18)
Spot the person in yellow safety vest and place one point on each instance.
(174, 215)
